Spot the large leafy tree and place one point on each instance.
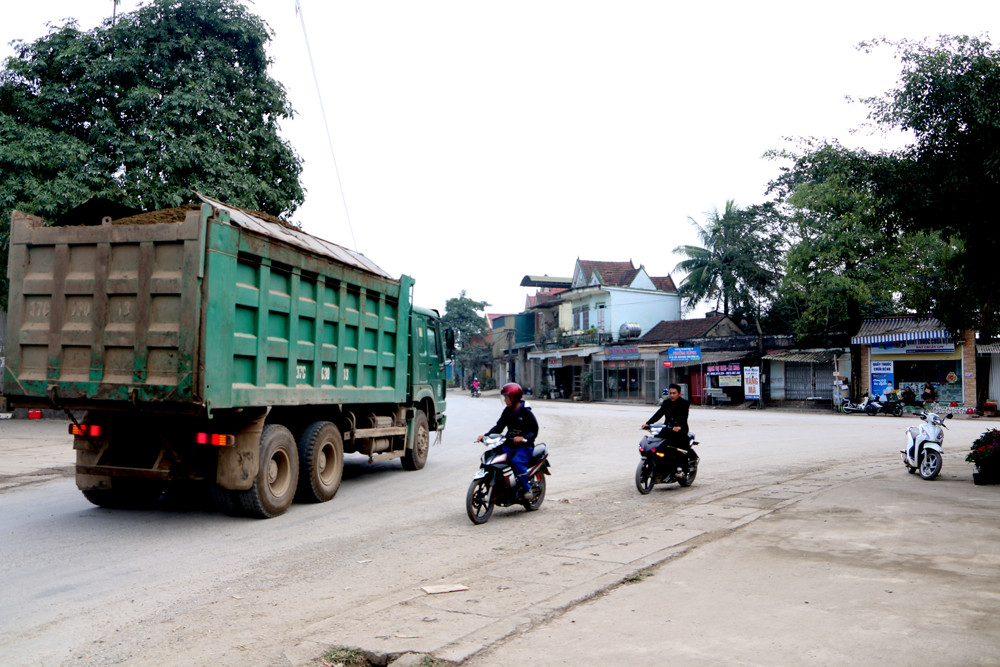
(170, 98)
(842, 265)
(947, 182)
(736, 264)
(462, 315)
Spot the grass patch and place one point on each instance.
(344, 656)
(428, 661)
(636, 577)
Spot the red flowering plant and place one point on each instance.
(985, 450)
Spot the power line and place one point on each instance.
(322, 109)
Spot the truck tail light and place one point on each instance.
(217, 439)
(86, 430)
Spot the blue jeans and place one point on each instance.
(519, 459)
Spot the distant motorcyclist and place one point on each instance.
(475, 385)
(674, 411)
(522, 429)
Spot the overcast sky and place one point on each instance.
(478, 142)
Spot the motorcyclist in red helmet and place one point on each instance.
(522, 429)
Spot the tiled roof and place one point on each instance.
(546, 297)
(664, 283)
(611, 273)
(673, 331)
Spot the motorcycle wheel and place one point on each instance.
(479, 502)
(871, 410)
(537, 502)
(688, 479)
(897, 410)
(644, 477)
(930, 464)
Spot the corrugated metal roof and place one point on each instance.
(797, 356)
(988, 348)
(715, 357)
(295, 237)
(567, 352)
(896, 329)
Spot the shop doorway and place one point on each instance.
(623, 380)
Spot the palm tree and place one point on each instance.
(736, 263)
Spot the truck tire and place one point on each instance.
(416, 455)
(277, 477)
(321, 463)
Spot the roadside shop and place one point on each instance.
(915, 360)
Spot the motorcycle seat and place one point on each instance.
(539, 451)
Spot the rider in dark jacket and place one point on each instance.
(674, 411)
(522, 429)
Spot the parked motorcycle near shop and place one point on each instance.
(924, 446)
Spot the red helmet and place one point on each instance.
(513, 390)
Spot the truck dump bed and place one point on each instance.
(209, 307)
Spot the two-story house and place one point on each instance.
(607, 306)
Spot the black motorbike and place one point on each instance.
(659, 465)
(495, 482)
(880, 407)
(475, 392)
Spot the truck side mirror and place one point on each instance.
(449, 342)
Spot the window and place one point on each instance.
(432, 342)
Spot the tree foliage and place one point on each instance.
(462, 316)
(842, 264)
(912, 229)
(737, 264)
(170, 98)
(948, 180)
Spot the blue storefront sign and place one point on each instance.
(883, 377)
(684, 354)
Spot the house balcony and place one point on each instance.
(583, 338)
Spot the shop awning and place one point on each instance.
(988, 348)
(567, 352)
(796, 356)
(715, 357)
(897, 329)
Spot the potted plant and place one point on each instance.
(985, 454)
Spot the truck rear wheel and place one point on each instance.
(416, 456)
(276, 481)
(321, 462)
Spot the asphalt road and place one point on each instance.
(182, 584)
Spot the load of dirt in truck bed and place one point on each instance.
(156, 217)
(177, 215)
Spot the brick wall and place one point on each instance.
(866, 372)
(969, 366)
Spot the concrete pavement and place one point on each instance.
(887, 569)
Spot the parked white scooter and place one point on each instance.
(924, 446)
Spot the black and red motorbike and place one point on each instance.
(495, 482)
(661, 464)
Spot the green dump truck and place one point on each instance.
(217, 346)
